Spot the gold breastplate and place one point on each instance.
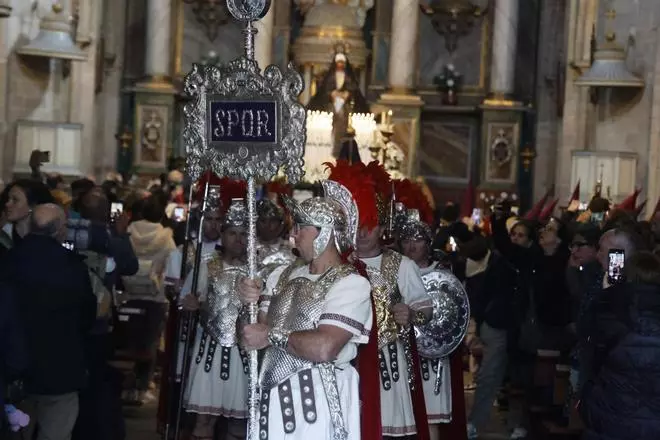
(385, 291)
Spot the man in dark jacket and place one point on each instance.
(100, 411)
(621, 399)
(491, 284)
(57, 308)
(13, 358)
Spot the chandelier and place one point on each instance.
(211, 14)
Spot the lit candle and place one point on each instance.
(383, 117)
(389, 117)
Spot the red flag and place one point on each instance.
(655, 210)
(533, 213)
(640, 208)
(468, 201)
(576, 193)
(548, 210)
(630, 202)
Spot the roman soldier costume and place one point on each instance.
(217, 378)
(394, 279)
(302, 399)
(438, 340)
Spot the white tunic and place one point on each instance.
(206, 391)
(347, 306)
(397, 416)
(438, 406)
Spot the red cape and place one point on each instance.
(367, 366)
(455, 430)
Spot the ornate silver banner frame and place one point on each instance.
(241, 82)
(246, 125)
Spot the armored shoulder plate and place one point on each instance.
(220, 311)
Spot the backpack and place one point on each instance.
(96, 268)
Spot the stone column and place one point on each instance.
(5, 48)
(263, 50)
(158, 35)
(403, 46)
(505, 33)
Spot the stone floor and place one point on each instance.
(141, 423)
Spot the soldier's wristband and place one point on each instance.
(279, 338)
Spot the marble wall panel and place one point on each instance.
(404, 136)
(445, 152)
(469, 57)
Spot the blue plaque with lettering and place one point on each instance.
(243, 122)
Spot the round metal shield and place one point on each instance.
(248, 10)
(451, 316)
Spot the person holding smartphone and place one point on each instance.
(620, 400)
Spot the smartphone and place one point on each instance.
(597, 217)
(116, 209)
(615, 265)
(452, 244)
(45, 156)
(476, 216)
(179, 214)
(69, 245)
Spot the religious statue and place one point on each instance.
(339, 93)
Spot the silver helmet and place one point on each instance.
(335, 214)
(413, 228)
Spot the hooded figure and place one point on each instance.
(339, 93)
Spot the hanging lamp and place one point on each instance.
(609, 68)
(54, 38)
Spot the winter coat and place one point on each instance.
(57, 307)
(622, 400)
(13, 357)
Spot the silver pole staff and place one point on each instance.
(173, 410)
(191, 328)
(253, 387)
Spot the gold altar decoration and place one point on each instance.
(125, 138)
(527, 155)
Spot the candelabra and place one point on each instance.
(385, 150)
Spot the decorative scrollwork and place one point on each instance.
(242, 80)
(451, 315)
